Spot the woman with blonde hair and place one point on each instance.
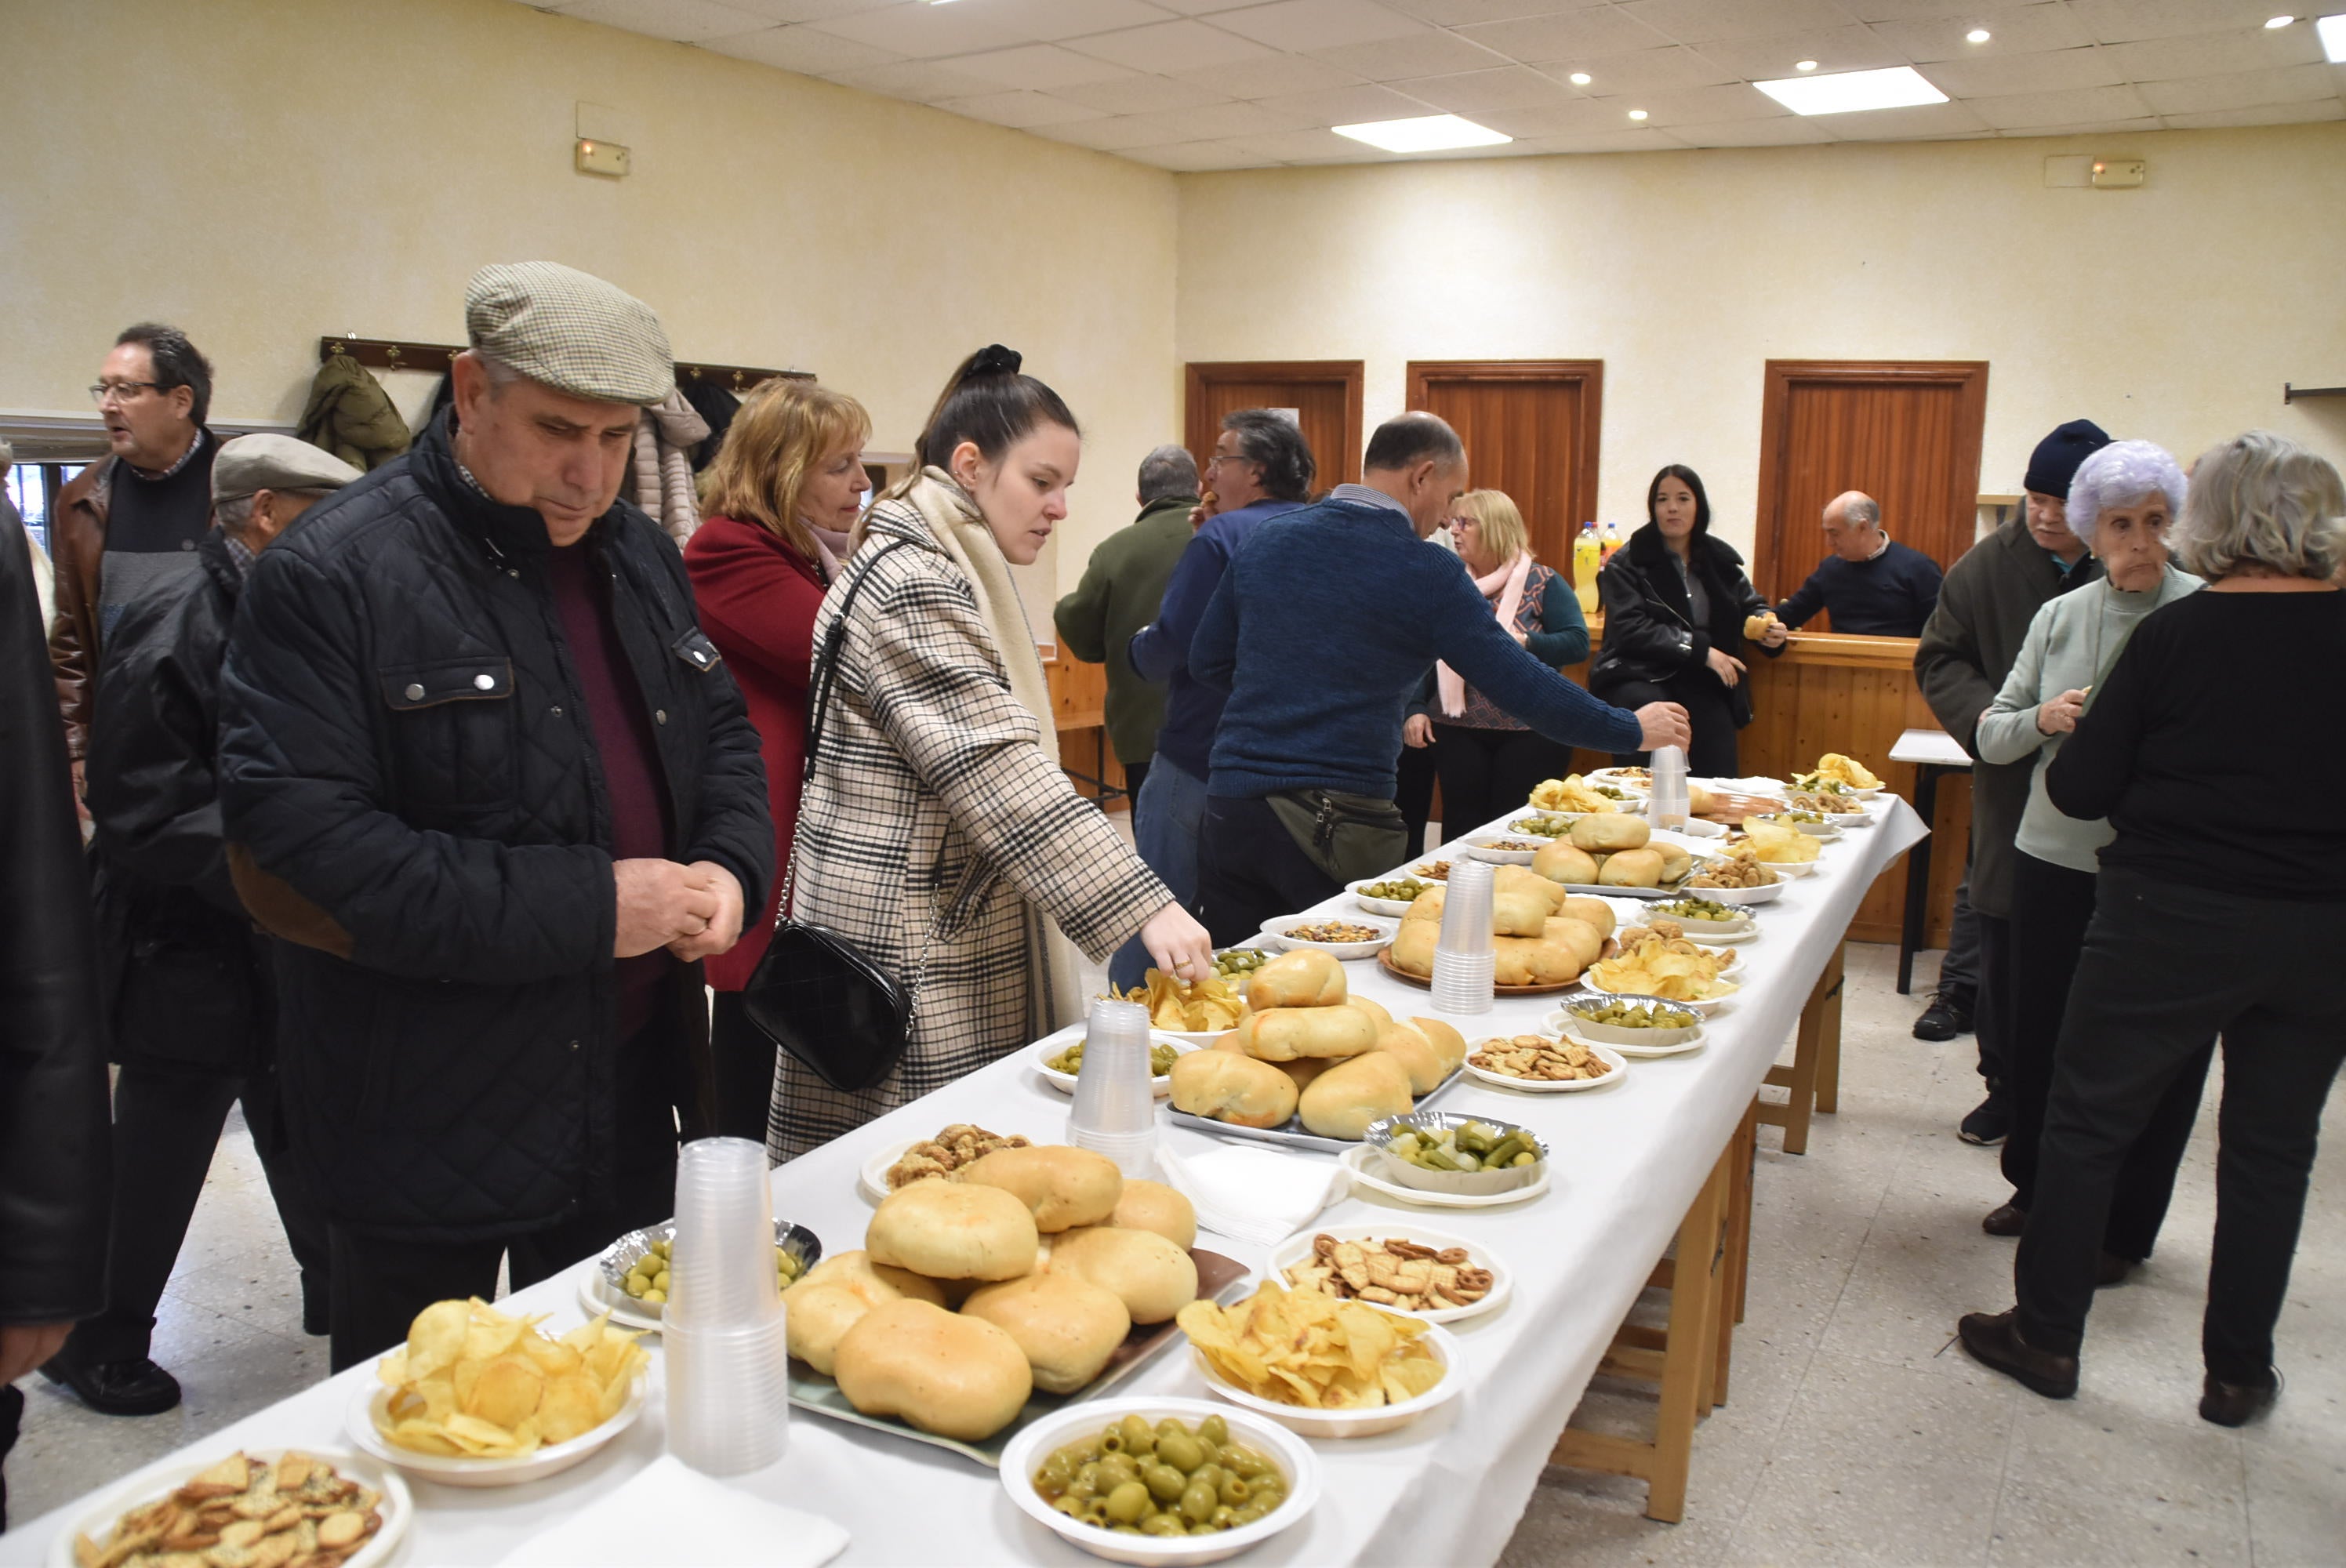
(790, 471)
(939, 834)
(1488, 761)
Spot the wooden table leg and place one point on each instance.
(1818, 1036)
(1913, 926)
(1742, 1154)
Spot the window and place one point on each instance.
(32, 486)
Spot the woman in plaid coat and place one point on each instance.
(938, 832)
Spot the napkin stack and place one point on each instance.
(1253, 1195)
(670, 1512)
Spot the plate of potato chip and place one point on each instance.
(333, 1510)
(478, 1398)
(1321, 1366)
(1652, 970)
(1199, 1010)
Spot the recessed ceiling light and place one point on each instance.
(1424, 133)
(1843, 91)
(1580, 78)
(1977, 35)
(1637, 114)
(2271, 22)
(1804, 65)
(2333, 37)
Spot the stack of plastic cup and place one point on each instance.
(1464, 959)
(1116, 1104)
(1669, 806)
(722, 1331)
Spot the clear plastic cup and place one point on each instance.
(728, 1395)
(722, 1265)
(1668, 808)
(1463, 983)
(1114, 1096)
(1466, 909)
(1135, 1154)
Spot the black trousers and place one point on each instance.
(1711, 714)
(1958, 970)
(12, 1416)
(743, 1061)
(2051, 907)
(1250, 870)
(1414, 795)
(167, 1125)
(382, 1282)
(1485, 772)
(1991, 1004)
(2163, 969)
(1135, 774)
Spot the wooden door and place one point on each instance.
(1324, 393)
(1531, 430)
(1907, 432)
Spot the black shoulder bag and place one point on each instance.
(815, 993)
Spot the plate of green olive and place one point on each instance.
(1633, 1025)
(1389, 896)
(1058, 1057)
(627, 1278)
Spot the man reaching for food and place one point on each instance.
(482, 772)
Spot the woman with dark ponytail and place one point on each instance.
(938, 832)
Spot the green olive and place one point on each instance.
(1128, 1503)
(1199, 1502)
(1164, 1483)
(1180, 1450)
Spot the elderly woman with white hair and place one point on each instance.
(2121, 504)
(2218, 914)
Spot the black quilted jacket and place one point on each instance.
(409, 793)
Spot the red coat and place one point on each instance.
(758, 599)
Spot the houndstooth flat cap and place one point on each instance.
(570, 331)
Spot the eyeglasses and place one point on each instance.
(121, 391)
(1221, 457)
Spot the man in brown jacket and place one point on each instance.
(132, 519)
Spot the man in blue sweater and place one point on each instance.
(1321, 629)
(1873, 586)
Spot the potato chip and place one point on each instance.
(438, 1337)
(1775, 844)
(1303, 1348)
(507, 1386)
(1654, 965)
(1197, 1007)
(1572, 794)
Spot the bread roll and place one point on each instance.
(1426, 906)
(1342, 1101)
(1700, 802)
(1304, 1069)
(1416, 1055)
(1062, 1187)
(1066, 1327)
(1677, 860)
(1413, 946)
(1231, 1088)
(1515, 912)
(952, 1230)
(837, 1292)
(1228, 1040)
(955, 1376)
(876, 1282)
(1632, 869)
(1566, 862)
(1153, 1277)
(1532, 960)
(1613, 831)
(1283, 1034)
(1525, 878)
(1593, 912)
(1756, 626)
(1153, 1206)
(1303, 978)
(1446, 1041)
(1579, 939)
(1363, 1005)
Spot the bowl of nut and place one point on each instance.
(1542, 1065)
(1404, 1267)
(1348, 938)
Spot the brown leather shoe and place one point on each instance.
(2110, 1269)
(2005, 1220)
(1994, 1341)
(2236, 1404)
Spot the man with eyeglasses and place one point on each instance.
(132, 520)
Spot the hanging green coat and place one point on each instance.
(1121, 588)
(350, 415)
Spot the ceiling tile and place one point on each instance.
(1917, 122)
(1349, 105)
(1708, 21)
(1464, 12)
(1039, 68)
(2020, 111)
(1172, 47)
(1646, 71)
(2241, 90)
(1308, 146)
(1272, 74)
(800, 49)
(1598, 30)
(1787, 130)
(1140, 95)
(1584, 117)
(2266, 114)
(2055, 70)
(1111, 135)
(1476, 92)
(1020, 111)
(2095, 128)
(2214, 54)
(1051, 20)
(806, 10)
(1221, 122)
(2016, 31)
(2124, 21)
(921, 31)
(918, 80)
(1195, 157)
(679, 21)
(1430, 54)
(1708, 105)
(1634, 140)
(1834, 49)
(1316, 24)
(1203, 7)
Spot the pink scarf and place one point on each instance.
(1506, 583)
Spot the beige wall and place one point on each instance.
(261, 172)
(2173, 313)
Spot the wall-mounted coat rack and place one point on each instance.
(385, 353)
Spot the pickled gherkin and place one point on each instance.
(1165, 1480)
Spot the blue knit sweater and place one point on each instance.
(1322, 628)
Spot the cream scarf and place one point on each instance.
(1506, 584)
(1055, 995)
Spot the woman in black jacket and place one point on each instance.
(1675, 600)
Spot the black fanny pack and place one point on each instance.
(1347, 836)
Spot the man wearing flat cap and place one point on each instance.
(484, 774)
(186, 975)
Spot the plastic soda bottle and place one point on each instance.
(1587, 558)
(1612, 542)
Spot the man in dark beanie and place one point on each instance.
(1967, 648)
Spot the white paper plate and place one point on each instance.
(1297, 1249)
(1050, 1045)
(1392, 908)
(1825, 831)
(1605, 1053)
(1707, 938)
(595, 1297)
(1767, 894)
(551, 1460)
(1350, 1423)
(871, 1181)
(1356, 1164)
(97, 1517)
(1620, 779)
(1565, 1024)
(1485, 847)
(1706, 1007)
(1275, 935)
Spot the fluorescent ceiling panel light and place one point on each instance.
(1898, 87)
(2333, 37)
(1424, 133)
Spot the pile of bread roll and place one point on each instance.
(1540, 934)
(1613, 852)
(1307, 1050)
(1026, 1270)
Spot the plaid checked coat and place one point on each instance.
(935, 811)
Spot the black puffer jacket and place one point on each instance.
(409, 792)
(1650, 630)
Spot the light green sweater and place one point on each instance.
(2072, 644)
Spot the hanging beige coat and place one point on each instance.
(662, 474)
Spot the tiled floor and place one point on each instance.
(1855, 1434)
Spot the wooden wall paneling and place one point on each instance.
(1531, 429)
(1905, 432)
(1325, 394)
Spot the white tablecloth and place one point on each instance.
(1447, 1489)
